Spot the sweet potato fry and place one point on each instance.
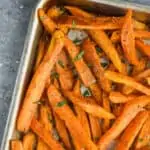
(47, 22)
(88, 24)
(65, 113)
(148, 80)
(106, 105)
(87, 105)
(117, 109)
(61, 128)
(65, 74)
(38, 82)
(128, 39)
(129, 112)
(16, 145)
(54, 12)
(127, 90)
(143, 47)
(81, 115)
(132, 131)
(79, 12)
(144, 135)
(29, 141)
(44, 135)
(139, 34)
(129, 81)
(117, 97)
(92, 57)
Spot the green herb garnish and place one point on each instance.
(140, 140)
(62, 103)
(79, 56)
(61, 63)
(77, 42)
(85, 91)
(74, 23)
(98, 49)
(54, 75)
(104, 62)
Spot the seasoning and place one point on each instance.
(61, 103)
(79, 56)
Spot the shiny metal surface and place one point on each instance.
(107, 7)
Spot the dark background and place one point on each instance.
(14, 19)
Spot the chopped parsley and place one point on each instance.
(61, 63)
(54, 75)
(140, 140)
(79, 56)
(85, 91)
(98, 49)
(89, 65)
(61, 103)
(74, 23)
(104, 62)
(77, 42)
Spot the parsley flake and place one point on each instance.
(39, 102)
(61, 103)
(54, 75)
(85, 91)
(74, 23)
(61, 63)
(79, 56)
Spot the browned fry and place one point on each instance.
(132, 131)
(90, 24)
(29, 141)
(16, 145)
(38, 82)
(106, 105)
(117, 109)
(65, 74)
(129, 112)
(47, 22)
(54, 12)
(129, 81)
(44, 134)
(56, 83)
(144, 135)
(81, 115)
(88, 105)
(127, 90)
(65, 113)
(92, 58)
(139, 34)
(61, 128)
(117, 97)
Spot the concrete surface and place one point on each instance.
(14, 18)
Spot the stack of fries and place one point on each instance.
(90, 91)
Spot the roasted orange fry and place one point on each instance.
(106, 105)
(117, 97)
(129, 81)
(29, 141)
(65, 113)
(128, 39)
(92, 58)
(47, 22)
(79, 12)
(139, 34)
(54, 12)
(81, 115)
(38, 82)
(41, 145)
(44, 135)
(87, 105)
(131, 109)
(88, 24)
(101, 39)
(61, 128)
(16, 145)
(143, 47)
(144, 135)
(132, 131)
(56, 83)
(127, 90)
(65, 74)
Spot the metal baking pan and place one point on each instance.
(107, 7)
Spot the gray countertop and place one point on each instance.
(14, 16)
